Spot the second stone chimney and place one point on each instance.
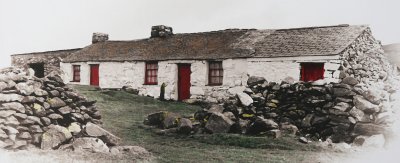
(161, 31)
(99, 37)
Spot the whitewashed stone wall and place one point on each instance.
(68, 74)
(236, 73)
(277, 69)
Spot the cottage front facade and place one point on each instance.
(213, 66)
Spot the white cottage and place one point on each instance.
(213, 65)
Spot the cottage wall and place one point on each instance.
(236, 73)
(51, 59)
(67, 74)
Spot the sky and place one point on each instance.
(43, 25)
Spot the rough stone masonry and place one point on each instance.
(45, 113)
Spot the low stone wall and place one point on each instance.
(340, 111)
(42, 112)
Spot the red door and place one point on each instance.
(312, 71)
(183, 81)
(94, 75)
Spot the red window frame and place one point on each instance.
(215, 73)
(76, 69)
(311, 71)
(151, 73)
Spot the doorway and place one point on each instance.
(183, 81)
(94, 75)
(38, 68)
(311, 71)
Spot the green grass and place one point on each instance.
(123, 115)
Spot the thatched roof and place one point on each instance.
(231, 43)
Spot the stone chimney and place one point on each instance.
(161, 31)
(99, 37)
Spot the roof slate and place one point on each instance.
(231, 43)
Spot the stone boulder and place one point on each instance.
(304, 140)
(341, 92)
(372, 96)
(14, 106)
(275, 133)
(65, 110)
(359, 140)
(262, 125)
(357, 114)
(130, 89)
(170, 120)
(289, 129)
(254, 80)
(56, 102)
(74, 128)
(350, 80)
(24, 88)
(216, 109)
(185, 126)
(245, 99)
(218, 123)
(10, 97)
(55, 136)
(94, 130)
(90, 144)
(163, 119)
(364, 105)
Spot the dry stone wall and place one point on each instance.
(42, 112)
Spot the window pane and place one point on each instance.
(214, 73)
(211, 80)
(212, 66)
(216, 66)
(151, 72)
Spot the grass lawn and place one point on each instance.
(123, 115)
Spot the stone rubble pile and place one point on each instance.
(45, 113)
(338, 111)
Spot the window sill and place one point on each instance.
(214, 85)
(150, 84)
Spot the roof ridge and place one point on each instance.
(51, 51)
(315, 27)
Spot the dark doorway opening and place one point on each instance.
(183, 81)
(38, 68)
(312, 71)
